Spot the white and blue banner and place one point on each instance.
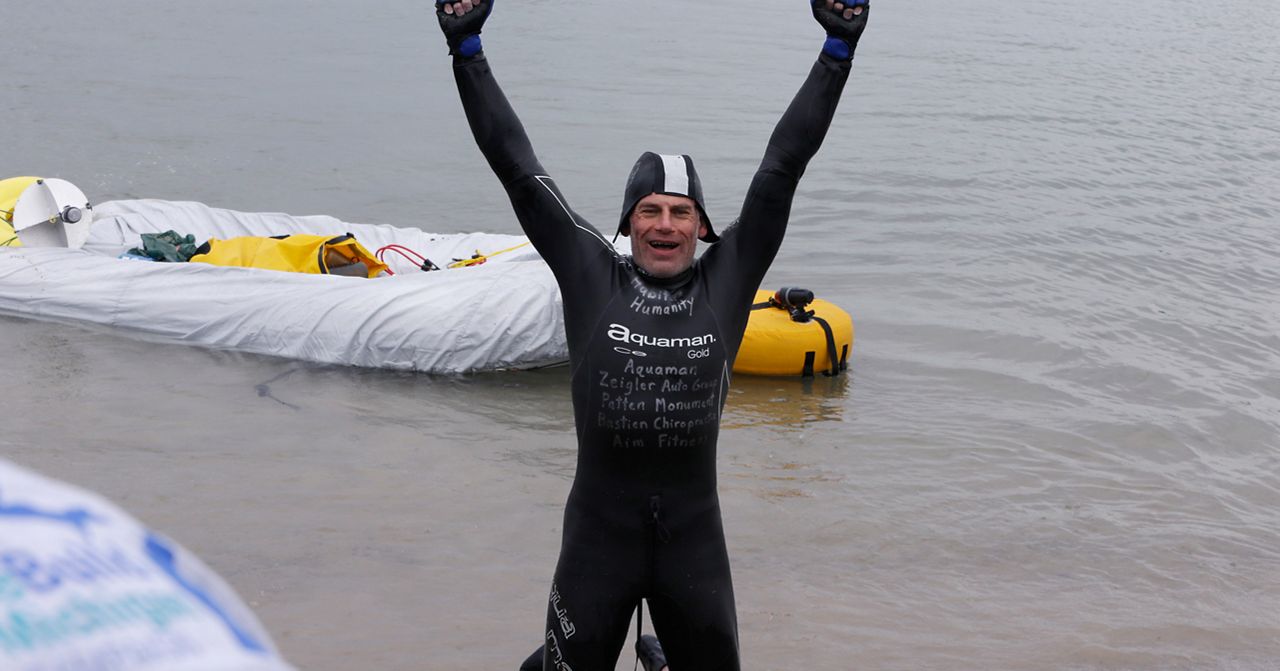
(85, 587)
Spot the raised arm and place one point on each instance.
(494, 123)
(799, 134)
(754, 239)
(555, 230)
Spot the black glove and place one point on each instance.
(463, 32)
(842, 33)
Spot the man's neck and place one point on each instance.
(674, 282)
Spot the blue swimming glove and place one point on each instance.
(463, 32)
(842, 33)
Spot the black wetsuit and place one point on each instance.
(651, 361)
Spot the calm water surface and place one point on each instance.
(1054, 224)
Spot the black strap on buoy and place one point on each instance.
(802, 316)
(836, 366)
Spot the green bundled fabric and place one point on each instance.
(168, 246)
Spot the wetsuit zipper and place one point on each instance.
(657, 532)
(660, 531)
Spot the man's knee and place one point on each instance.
(534, 662)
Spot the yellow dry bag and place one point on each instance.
(790, 332)
(10, 190)
(292, 253)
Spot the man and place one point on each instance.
(652, 338)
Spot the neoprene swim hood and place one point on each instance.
(667, 175)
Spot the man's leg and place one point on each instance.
(692, 605)
(596, 587)
(534, 662)
(648, 649)
(587, 623)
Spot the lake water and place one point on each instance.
(1055, 226)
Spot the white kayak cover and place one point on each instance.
(84, 586)
(505, 313)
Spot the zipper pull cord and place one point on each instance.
(655, 506)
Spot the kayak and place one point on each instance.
(504, 313)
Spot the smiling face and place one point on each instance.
(664, 234)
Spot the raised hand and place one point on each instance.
(461, 23)
(844, 23)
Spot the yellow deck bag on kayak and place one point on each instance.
(10, 190)
(292, 253)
